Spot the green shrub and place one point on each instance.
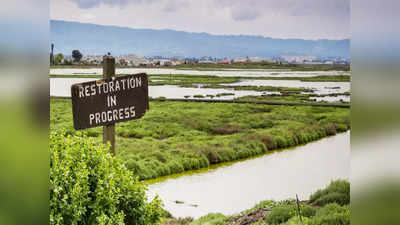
(338, 191)
(296, 221)
(334, 197)
(89, 186)
(332, 214)
(281, 214)
(307, 211)
(211, 219)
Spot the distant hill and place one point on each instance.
(99, 39)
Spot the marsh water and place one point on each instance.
(318, 87)
(278, 175)
(61, 87)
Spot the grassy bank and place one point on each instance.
(179, 136)
(290, 97)
(329, 206)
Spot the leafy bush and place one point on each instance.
(89, 186)
(211, 219)
(280, 214)
(332, 214)
(307, 211)
(296, 221)
(338, 191)
(335, 197)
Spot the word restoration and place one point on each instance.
(108, 101)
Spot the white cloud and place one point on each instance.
(309, 19)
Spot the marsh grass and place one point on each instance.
(285, 212)
(174, 137)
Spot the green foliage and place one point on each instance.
(89, 186)
(58, 58)
(307, 211)
(332, 214)
(174, 137)
(211, 219)
(281, 214)
(337, 192)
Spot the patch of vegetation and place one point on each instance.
(210, 219)
(89, 186)
(285, 97)
(281, 214)
(174, 137)
(337, 192)
(284, 212)
(259, 88)
(189, 80)
(332, 214)
(225, 94)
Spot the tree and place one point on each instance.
(77, 55)
(58, 58)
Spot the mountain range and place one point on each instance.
(92, 39)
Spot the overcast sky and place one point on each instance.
(307, 19)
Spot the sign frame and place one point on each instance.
(99, 103)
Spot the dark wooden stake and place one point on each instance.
(298, 209)
(108, 72)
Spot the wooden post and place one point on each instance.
(109, 130)
(298, 209)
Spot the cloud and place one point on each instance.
(244, 13)
(309, 19)
(87, 4)
(253, 9)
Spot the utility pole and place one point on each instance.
(52, 54)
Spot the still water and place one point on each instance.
(318, 87)
(239, 186)
(61, 87)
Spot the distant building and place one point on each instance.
(297, 59)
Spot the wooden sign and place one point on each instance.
(109, 101)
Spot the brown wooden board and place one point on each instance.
(109, 101)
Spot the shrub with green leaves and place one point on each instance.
(332, 214)
(89, 186)
(281, 214)
(307, 211)
(337, 192)
(211, 219)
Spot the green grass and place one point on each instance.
(174, 137)
(337, 192)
